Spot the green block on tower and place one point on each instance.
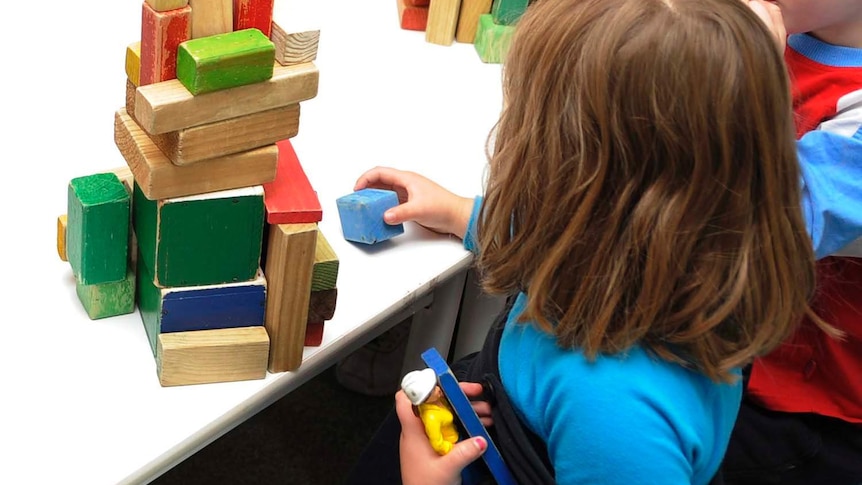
(492, 39)
(225, 61)
(97, 228)
(508, 12)
(108, 299)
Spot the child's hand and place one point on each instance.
(770, 14)
(420, 464)
(422, 201)
(473, 391)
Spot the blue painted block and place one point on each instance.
(461, 405)
(361, 216)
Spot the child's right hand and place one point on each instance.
(421, 201)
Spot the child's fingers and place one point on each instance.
(465, 452)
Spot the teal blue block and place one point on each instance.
(508, 12)
(361, 215)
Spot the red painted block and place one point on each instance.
(290, 198)
(313, 334)
(161, 35)
(253, 14)
(418, 3)
(412, 16)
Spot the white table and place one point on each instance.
(81, 399)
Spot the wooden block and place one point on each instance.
(126, 177)
(290, 258)
(105, 300)
(253, 14)
(321, 305)
(161, 34)
(290, 198)
(412, 17)
(314, 334)
(492, 40)
(211, 17)
(97, 230)
(161, 179)
(227, 137)
(204, 307)
(508, 12)
(325, 274)
(162, 5)
(169, 106)
(130, 97)
(361, 215)
(203, 239)
(133, 63)
(207, 356)
(61, 237)
(442, 21)
(294, 48)
(225, 61)
(418, 3)
(468, 19)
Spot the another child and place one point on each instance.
(642, 207)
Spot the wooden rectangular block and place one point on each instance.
(207, 356)
(225, 61)
(203, 239)
(412, 17)
(290, 198)
(61, 237)
(227, 137)
(314, 334)
(492, 40)
(133, 63)
(442, 21)
(361, 215)
(162, 5)
(290, 258)
(325, 274)
(468, 19)
(169, 106)
(97, 230)
(321, 306)
(418, 3)
(161, 179)
(211, 17)
(105, 300)
(508, 12)
(253, 14)
(296, 47)
(161, 34)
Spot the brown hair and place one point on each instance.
(644, 186)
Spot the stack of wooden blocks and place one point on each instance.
(488, 24)
(212, 228)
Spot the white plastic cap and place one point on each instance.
(418, 385)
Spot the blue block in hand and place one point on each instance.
(361, 216)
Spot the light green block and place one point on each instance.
(492, 40)
(225, 61)
(108, 299)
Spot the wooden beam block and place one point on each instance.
(161, 179)
(204, 239)
(321, 305)
(130, 97)
(294, 48)
(207, 356)
(105, 300)
(418, 3)
(253, 14)
(468, 19)
(61, 237)
(290, 198)
(290, 258)
(211, 17)
(314, 334)
(508, 12)
(493, 40)
(97, 230)
(161, 34)
(162, 5)
(225, 61)
(325, 274)
(361, 215)
(227, 137)
(133, 63)
(169, 106)
(442, 21)
(126, 177)
(412, 17)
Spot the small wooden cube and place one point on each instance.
(225, 61)
(361, 215)
(325, 273)
(104, 300)
(314, 334)
(508, 12)
(133, 63)
(321, 305)
(492, 40)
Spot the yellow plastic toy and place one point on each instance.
(430, 404)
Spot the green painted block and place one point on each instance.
(203, 239)
(97, 228)
(149, 298)
(324, 273)
(225, 61)
(508, 12)
(492, 39)
(104, 300)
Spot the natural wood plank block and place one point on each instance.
(126, 177)
(253, 14)
(105, 300)
(227, 137)
(468, 19)
(162, 5)
(289, 263)
(211, 17)
(207, 356)
(61, 237)
(321, 306)
(290, 198)
(442, 21)
(294, 48)
(97, 228)
(508, 12)
(314, 334)
(493, 40)
(133, 63)
(412, 17)
(161, 179)
(325, 274)
(161, 34)
(169, 106)
(130, 97)
(225, 61)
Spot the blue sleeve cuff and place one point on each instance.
(470, 234)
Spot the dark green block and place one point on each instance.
(225, 61)
(508, 12)
(492, 40)
(108, 299)
(97, 228)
